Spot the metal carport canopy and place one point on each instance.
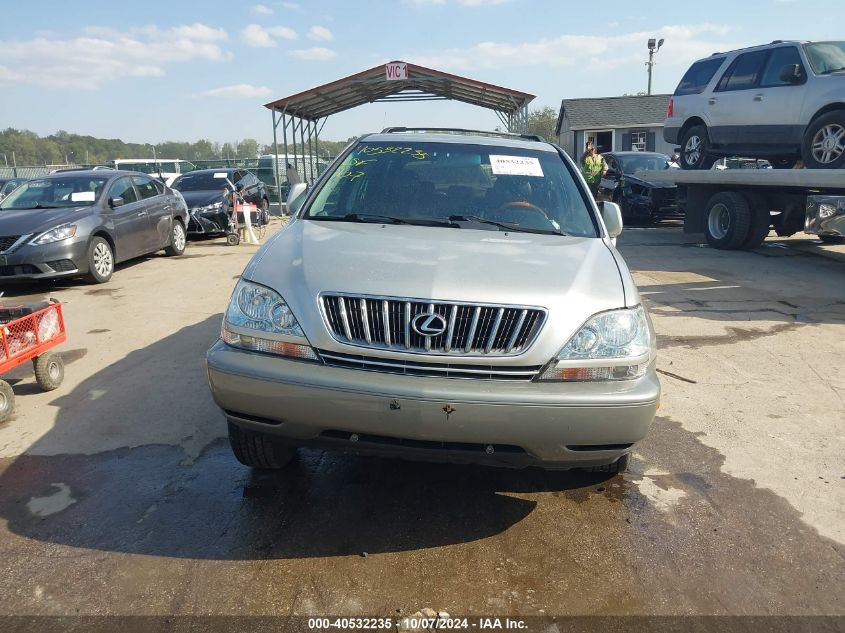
(409, 82)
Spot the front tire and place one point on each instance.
(100, 261)
(823, 146)
(258, 451)
(178, 240)
(7, 401)
(728, 220)
(831, 239)
(695, 147)
(49, 371)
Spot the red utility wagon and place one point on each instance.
(26, 333)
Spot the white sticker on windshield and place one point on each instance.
(82, 196)
(516, 166)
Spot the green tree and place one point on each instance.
(542, 122)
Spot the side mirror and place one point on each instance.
(612, 216)
(791, 73)
(295, 192)
(116, 202)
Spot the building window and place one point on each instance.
(638, 141)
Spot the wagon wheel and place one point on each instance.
(49, 371)
(7, 400)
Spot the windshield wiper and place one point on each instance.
(358, 217)
(832, 70)
(386, 219)
(507, 226)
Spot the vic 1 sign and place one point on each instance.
(396, 70)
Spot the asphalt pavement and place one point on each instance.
(119, 494)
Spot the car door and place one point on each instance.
(158, 210)
(608, 182)
(129, 218)
(776, 104)
(730, 105)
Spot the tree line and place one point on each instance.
(23, 147)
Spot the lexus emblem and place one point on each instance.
(428, 324)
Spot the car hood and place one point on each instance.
(201, 198)
(635, 180)
(571, 277)
(26, 221)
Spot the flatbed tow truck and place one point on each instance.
(736, 209)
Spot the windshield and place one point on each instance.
(455, 185)
(200, 182)
(51, 193)
(826, 57)
(633, 164)
(154, 167)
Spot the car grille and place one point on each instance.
(25, 269)
(434, 370)
(470, 329)
(62, 265)
(6, 241)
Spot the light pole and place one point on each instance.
(653, 47)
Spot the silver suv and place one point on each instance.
(443, 296)
(781, 101)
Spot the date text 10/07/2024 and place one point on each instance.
(418, 623)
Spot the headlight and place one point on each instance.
(258, 308)
(614, 345)
(209, 207)
(57, 234)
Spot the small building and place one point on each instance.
(613, 124)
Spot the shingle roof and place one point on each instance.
(610, 112)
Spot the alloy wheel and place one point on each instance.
(103, 262)
(829, 143)
(719, 221)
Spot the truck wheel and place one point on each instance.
(728, 220)
(761, 222)
(823, 146)
(694, 149)
(831, 239)
(49, 371)
(258, 451)
(7, 400)
(619, 466)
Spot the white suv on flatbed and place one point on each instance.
(780, 101)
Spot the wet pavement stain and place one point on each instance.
(144, 527)
(72, 355)
(99, 331)
(734, 335)
(102, 291)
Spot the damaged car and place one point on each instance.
(209, 204)
(639, 199)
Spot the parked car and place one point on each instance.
(780, 101)
(165, 169)
(209, 207)
(638, 198)
(82, 223)
(8, 185)
(441, 296)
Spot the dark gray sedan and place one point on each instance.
(82, 223)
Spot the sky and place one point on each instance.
(185, 70)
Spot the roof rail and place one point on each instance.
(457, 130)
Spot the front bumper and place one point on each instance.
(825, 215)
(557, 425)
(66, 258)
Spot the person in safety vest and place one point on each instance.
(593, 167)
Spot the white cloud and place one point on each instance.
(320, 33)
(104, 54)
(262, 9)
(314, 54)
(684, 43)
(291, 6)
(237, 91)
(423, 3)
(259, 36)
